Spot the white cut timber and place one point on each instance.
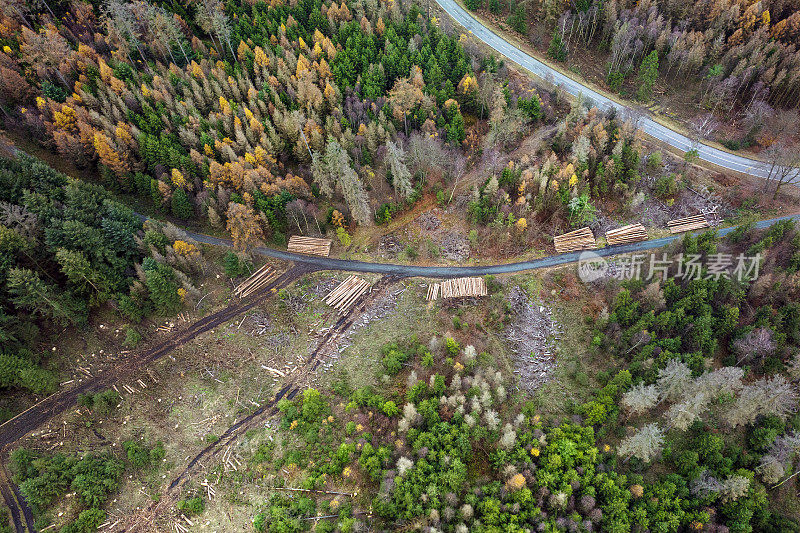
(581, 239)
(626, 234)
(679, 225)
(309, 245)
(463, 287)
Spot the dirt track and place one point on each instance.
(16, 428)
(145, 521)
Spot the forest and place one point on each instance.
(685, 432)
(743, 54)
(258, 120)
(226, 128)
(67, 248)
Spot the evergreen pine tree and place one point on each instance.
(181, 207)
(648, 72)
(557, 49)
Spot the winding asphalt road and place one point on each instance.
(647, 124)
(329, 263)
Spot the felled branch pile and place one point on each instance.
(309, 245)
(626, 234)
(679, 225)
(581, 239)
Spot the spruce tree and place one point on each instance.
(648, 72)
(181, 207)
(557, 49)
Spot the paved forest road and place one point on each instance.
(575, 88)
(329, 263)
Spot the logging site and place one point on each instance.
(349, 266)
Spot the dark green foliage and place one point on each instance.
(192, 506)
(393, 358)
(87, 522)
(156, 238)
(101, 403)
(666, 185)
(54, 92)
(648, 72)
(531, 106)
(162, 286)
(519, 19)
(234, 265)
(81, 254)
(43, 479)
(21, 370)
(615, 80)
(140, 456)
(282, 513)
(557, 49)
(181, 206)
(473, 5)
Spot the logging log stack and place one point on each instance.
(679, 225)
(581, 239)
(260, 278)
(309, 245)
(463, 287)
(346, 294)
(626, 234)
(433, 291)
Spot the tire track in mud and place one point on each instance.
(289, 390)
(37, 415)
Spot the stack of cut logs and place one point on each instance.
(581, 239)
(679, 225)
(309, 245)
(346, 294)
(433, 292)
(626, 234)
(463, 287)
(261, 278)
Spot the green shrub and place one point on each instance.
(132, 337)
(314, 405)
(88, 521)
(557, 49)
(141, 456)
(192, 506)
(451, 347)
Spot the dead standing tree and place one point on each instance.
(782, 166)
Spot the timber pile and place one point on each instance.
(433, 292)
(347, 293)
(581, 239)
(262, 277)
(309, 245)
(679, 225)
(463, 287)
(626, 234)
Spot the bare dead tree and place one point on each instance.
(782, 163)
